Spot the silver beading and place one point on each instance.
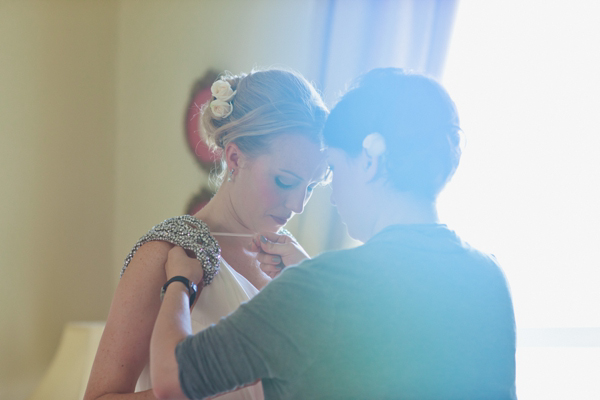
(191, 234)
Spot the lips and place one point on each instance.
(279, 220)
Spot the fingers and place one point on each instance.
(180, 263)
(276, 238)
(255, 243)
(270, 259)
(259, 240)
(271, 270)
(270, 264)
(283, 250)
(266, 245)
(281, 247)
(179, 254)
(277, 250)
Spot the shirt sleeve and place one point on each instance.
(275, 335)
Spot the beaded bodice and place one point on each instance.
(191, 234)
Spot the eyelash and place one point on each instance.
(283, 185)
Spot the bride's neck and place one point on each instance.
(220, 215)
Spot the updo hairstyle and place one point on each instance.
(416, 117)
(267, 103)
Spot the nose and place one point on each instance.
(297, 200)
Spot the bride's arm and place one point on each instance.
(124, 348)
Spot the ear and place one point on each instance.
(369, 166)
(233, 156)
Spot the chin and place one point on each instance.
(269, 225)
(277, 227)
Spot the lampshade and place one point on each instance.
(67, 376)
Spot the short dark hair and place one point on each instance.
(417, 118)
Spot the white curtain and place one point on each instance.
(366, 34)
(353, 37)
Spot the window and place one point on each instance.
(525, 76)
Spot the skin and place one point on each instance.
(365, 200)
(265, 192)
(277, 251)
(366, 203)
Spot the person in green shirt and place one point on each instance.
(413, 313)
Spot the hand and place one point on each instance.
(276, 252)
(180, 262)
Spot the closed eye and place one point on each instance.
(284, 184)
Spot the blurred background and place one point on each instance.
(93, 96)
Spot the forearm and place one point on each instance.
(173, 324)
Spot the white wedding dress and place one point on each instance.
(218, 299)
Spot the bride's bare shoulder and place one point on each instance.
(148, 259)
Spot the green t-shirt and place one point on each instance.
(414, 313)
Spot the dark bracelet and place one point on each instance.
(191, 286)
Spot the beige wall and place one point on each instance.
(57, 176)
(92, 95)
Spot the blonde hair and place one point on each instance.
(267, 103)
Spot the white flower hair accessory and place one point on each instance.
(374, 144)
(221, 107)
(221, 90)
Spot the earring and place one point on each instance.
(230, 178)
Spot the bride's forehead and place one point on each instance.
(295, 149)
(309, 166)
(305, 167)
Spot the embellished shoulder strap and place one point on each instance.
(191, 234)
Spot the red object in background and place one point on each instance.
(199, 200)
(206, 158)
(196, 208)
(200, 95)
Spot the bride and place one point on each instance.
(267, 125)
